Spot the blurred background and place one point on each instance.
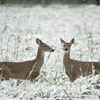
(22, 21)
(50, 2)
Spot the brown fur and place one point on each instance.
(73, 68)
(28, 69)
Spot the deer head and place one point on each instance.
(44, 46)
(67, 45)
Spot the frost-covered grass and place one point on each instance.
(19, 28)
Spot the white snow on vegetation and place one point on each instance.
(19, 28)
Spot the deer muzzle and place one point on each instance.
(52, 50)
(66, 49)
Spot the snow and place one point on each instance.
(19, 28)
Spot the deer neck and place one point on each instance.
(40, 57)
(66, 58)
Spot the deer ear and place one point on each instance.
(38, 41)
(72, 41)
(62, 41)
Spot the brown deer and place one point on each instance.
(28, 69)
(73, 68)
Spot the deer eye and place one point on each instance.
(44, 45)
(69, 45)
(64, 45)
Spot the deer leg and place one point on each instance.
(5, 73)
(34, 81)
(33, 76)
(70, 76)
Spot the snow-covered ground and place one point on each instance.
(19, 28)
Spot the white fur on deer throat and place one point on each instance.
(42, 53)
(66, 52)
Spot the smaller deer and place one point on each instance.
(28, 69)
(73, 68)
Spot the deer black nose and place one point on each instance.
(52, 50)
(66, 49)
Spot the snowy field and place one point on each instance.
(19, 28)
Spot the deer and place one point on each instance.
(74, 68)
(27, 70)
